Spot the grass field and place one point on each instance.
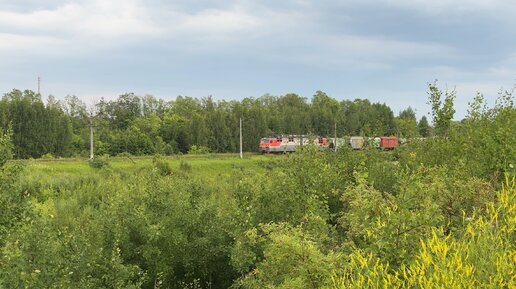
(212, 167)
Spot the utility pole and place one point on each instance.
(91, 139)
(39, 85)
(241, 154)
(142, 106)
(335, 138)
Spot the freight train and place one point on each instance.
(384, 142)
(289, 143)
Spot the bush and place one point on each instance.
(126, 155)
(185, 166)
(198, 150)
(482, 256)
(48, 156)
(162, 166)
(97, 163)
(6, 148)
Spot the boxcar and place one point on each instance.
(356, 142)
(388, 142)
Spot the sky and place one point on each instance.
(383, 50)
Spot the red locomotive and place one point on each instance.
(284, 144)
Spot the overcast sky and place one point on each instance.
(383, 50)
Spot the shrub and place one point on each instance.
(481, 257)
(185, 166)
(198, 150)
(6, 148)
(126, 155)
(98, 163)
(48, 156)
(161, 166)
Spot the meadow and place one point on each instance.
(211, 167)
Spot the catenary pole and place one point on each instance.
(335, 136)
(241, 154)
(91, 139)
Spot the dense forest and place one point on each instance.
(146, 125)
(435, 213)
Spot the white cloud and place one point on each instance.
(17, 42)
(97, 17)
(219, 22)
(446, 6)
(99, 24)
(387, 48)
(499, 72)
(76, 28)
(349, 52)
(87, 26)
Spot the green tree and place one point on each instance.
(323, 113)
(76, 110)
(360, 117)
(217, 120)
(121, 111)
(293, 258)
(406, 123)
(423, 127)
(254, 123)
(36, 129)
(174, 131)
(294, 114)
(6, 147)
(442, 109)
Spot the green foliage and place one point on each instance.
(487, 135)
(482, 256)
(292, 259)
(185, 166)
(423, 127)
(161, 165)
(406, 124)
(360, 117)
(48, 156)
(98, 163)
(126, 155)
(14, 202)
(480, 145)
(36, 129)
(6, 147)
(386, 225)
(198, 150)
(442, 109)
(423, 216)
(323, 112)
(72, 241)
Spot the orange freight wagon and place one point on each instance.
(388, 142)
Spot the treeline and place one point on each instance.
(36, 128)
(144, 125)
